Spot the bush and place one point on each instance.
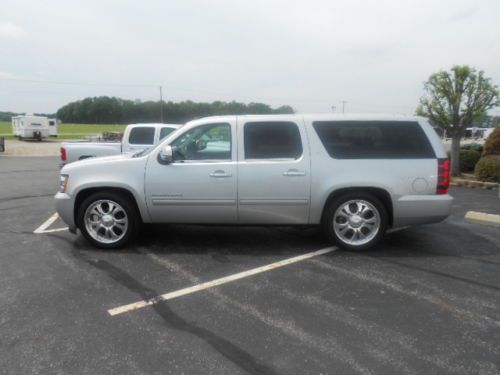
(488, 169)
(492, 144)
(468, 160)
(473, 146)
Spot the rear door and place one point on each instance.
(273, 172)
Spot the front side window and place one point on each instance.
(142, 136)
(165, 131)
(272, 140)
(374, 139)
(205, 142)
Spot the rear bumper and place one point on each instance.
(65, 208)
(421, 209)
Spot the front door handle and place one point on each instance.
(220, 174)
(294, 173)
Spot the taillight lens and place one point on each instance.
(63, 154)
(443, 181)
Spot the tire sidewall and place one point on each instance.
(130, 210)
(332, 208)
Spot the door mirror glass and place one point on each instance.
(165, 155)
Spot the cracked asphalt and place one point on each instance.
(426, 300)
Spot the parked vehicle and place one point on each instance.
(355, 176)
(53, 127)
(30, 127)
(137, 137)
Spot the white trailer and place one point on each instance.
(29, 126)
(53, 127)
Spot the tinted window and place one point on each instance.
(165, 131)
(374, 139)
(142, 136)
(272, 140)
(205, 142)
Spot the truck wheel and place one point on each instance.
(355, 221)
(108, 220)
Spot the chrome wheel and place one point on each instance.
(356, 222)
(106, 221)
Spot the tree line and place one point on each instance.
(7, 116)
(112, 110)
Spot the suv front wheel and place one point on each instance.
(108, 220)
(355, 221)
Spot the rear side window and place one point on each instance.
(165, 131)
(272, 140)
(374, 139)
(142, 136)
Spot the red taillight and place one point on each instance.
(443, 181)
(63, 154)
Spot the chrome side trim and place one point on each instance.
(193, 202)
(276, 202)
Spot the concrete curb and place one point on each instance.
(474, 184)
(483, 218)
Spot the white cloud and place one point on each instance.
(6, 75)
(10, 30)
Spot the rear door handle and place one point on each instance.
(293, 173)
(220, 174)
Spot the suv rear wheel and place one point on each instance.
(108, 220)
(355, 221)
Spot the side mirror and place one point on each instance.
(166, 156)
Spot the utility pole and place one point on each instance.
(161, 105)
(343, 105)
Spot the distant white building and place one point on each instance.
(29, 126)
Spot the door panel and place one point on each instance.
(274, 190)
(195, 191)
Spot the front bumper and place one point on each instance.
(65, 205)
(421, 209)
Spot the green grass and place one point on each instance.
(70, 131)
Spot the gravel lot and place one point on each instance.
(31, 148)
(426, 300)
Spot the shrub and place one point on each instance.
(492, 144)
(473, 146)
(488, 168)
(468, 160)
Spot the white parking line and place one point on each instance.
(216, 282)
(43, 228)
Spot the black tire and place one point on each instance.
(133, 216)
(328, 217)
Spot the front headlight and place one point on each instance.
(63, 183)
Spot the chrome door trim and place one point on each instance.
(276, 202)
(193, 202)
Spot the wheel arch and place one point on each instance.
(380, 193)
(85, 193)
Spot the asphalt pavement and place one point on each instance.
(426, 300)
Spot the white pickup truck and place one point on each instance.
(137, 137)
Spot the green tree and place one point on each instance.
(453, 99)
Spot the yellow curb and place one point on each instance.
(483, 218)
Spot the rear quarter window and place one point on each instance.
(142, 136)
(165, 131)
(374, 139)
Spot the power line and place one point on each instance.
(75, 83)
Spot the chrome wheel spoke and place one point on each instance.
(356, 222)
(106, 221)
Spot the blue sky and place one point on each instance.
(309, 54)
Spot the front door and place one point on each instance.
(199, 186)
(273, 173)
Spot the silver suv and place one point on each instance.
(356, 176)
